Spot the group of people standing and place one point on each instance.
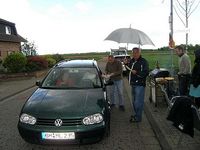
(138, 67)
(189, 78)
(138, 71)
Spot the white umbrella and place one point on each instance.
(129, 35)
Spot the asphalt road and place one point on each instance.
(123, 136)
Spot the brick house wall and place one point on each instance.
(10, 40)
(8, 47)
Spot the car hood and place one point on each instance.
(48, 103)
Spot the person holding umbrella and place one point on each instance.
(138, 71)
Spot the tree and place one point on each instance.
(29, 49)
(183, 9)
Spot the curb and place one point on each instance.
(156, 129)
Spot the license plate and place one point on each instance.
(58, 136)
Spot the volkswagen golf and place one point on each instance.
(70, 105)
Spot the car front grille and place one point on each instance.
(65, 122)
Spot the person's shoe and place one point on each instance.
(122, 108)
(133, 119)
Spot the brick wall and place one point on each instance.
(8, 47)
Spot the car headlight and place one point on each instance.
(25, 118)
(93, 119)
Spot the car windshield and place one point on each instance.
(72, 78)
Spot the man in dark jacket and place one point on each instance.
(138, 71)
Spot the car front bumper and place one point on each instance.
(83, 135)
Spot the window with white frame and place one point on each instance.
(8, 30)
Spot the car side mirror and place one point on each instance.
(38, 83)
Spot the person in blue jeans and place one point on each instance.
(138, 71)
(114, 70)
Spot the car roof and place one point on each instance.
(120, 49)
(77, 63)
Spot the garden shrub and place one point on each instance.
(36, 63)
(58, 57)
(15, 62)
(50, 60)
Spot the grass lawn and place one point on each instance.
(95, 56)
(163, 57)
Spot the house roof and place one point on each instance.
(13, 37)
(6, 22)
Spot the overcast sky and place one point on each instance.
(73, 26)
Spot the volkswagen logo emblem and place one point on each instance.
(58, 122)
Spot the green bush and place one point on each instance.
(51, 61)
(35, 63)
(15, 62)
(58, 57)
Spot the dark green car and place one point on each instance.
(69, 106)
